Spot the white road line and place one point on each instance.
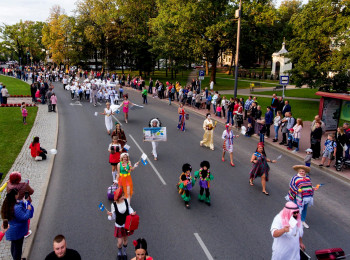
(149, 161)
(205, 249)
(117, 121)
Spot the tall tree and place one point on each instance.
(320, 47)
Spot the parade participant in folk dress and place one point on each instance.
(185, 184)
(114, 155)
(204, 176)
(181, 112)
(120, 209)
(228, 136)
(208, 136)
(124, 170)
(260, 167)
(141, 250)
(108, 113)
(125, 104)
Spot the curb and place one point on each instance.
(296, 156)
(35, 221)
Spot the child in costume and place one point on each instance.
(186, 183)
(205, 177)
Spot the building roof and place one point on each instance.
(342, 96)
(281, 51)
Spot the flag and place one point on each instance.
(101, 207)
(126, 147)
(144, 159)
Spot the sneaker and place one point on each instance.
(282, 143)
(294, 151)
(28, 234)
(320, 165)
(305, 225)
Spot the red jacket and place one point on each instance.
(35, 150)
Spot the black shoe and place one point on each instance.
(274, 140)
(208, 203)
(282, 143)
(119, 257)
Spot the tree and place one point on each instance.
(321, 43)
(62, 38)
(22, 38)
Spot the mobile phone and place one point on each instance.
(26, 181)
(26, 195)
(5, 223)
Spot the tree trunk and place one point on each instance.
(206, 67)
(214, 60)
(166, 68)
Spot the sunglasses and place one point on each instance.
(295, 212)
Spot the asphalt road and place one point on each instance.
(235, 226)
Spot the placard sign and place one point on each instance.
(154, 134)
(331, 112)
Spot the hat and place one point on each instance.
(228, 125)
(305, 168)
(308, 150)
(15, 177)
(118, 193)
(291, 130)
(261, 144)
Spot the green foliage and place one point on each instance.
(20, 38)
(321, 43)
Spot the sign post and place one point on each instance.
(201, 74)
(284, 81)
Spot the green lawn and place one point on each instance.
(13, 134)
(226, 82)
(15, 86)
(303, 92)
(300, 109)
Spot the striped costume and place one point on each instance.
(301, 191)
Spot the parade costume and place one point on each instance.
(108, 119)
(261, 167)
(204, 177)
(154, 144)
(208, 136)
(228, 136)
(186, 183)
(181, 124)
(126, 106)
(125, 178)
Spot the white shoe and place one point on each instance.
(305, 225)
(28, 234)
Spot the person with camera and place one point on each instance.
(23, 188)
(17, 212)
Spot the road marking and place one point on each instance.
(98, 103)
(77, 103)
(205, 249)
(117, 121)
(154, 168)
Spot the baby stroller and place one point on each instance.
(330, 254)
(342, 163)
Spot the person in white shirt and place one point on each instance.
(287, 233)
(211, 85)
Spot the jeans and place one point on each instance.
(303, 213)
(276, 131)
(214, 108)
(229, 116)
(347, 153)
(262, 138)
(16, 248)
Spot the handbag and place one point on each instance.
(132, 222)
(110, 191)
(187, 116)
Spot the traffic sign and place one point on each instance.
(201, 78)
(284, 80)
(201, 73)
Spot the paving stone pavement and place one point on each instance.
(38, 172)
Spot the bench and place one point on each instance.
(278, 87)
(255, 85)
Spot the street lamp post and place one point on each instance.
(238, 15)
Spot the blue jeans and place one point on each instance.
(303, 213)
(262, 137)
(276, 131)
(297, 141)
(229, 116)
(214, 108)
(347, 153)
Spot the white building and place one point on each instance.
(280, 63)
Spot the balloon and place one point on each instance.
(53, 151)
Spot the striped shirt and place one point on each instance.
(300, 188)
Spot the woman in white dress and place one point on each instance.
(108, 113)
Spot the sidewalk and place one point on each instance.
(38, 172)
